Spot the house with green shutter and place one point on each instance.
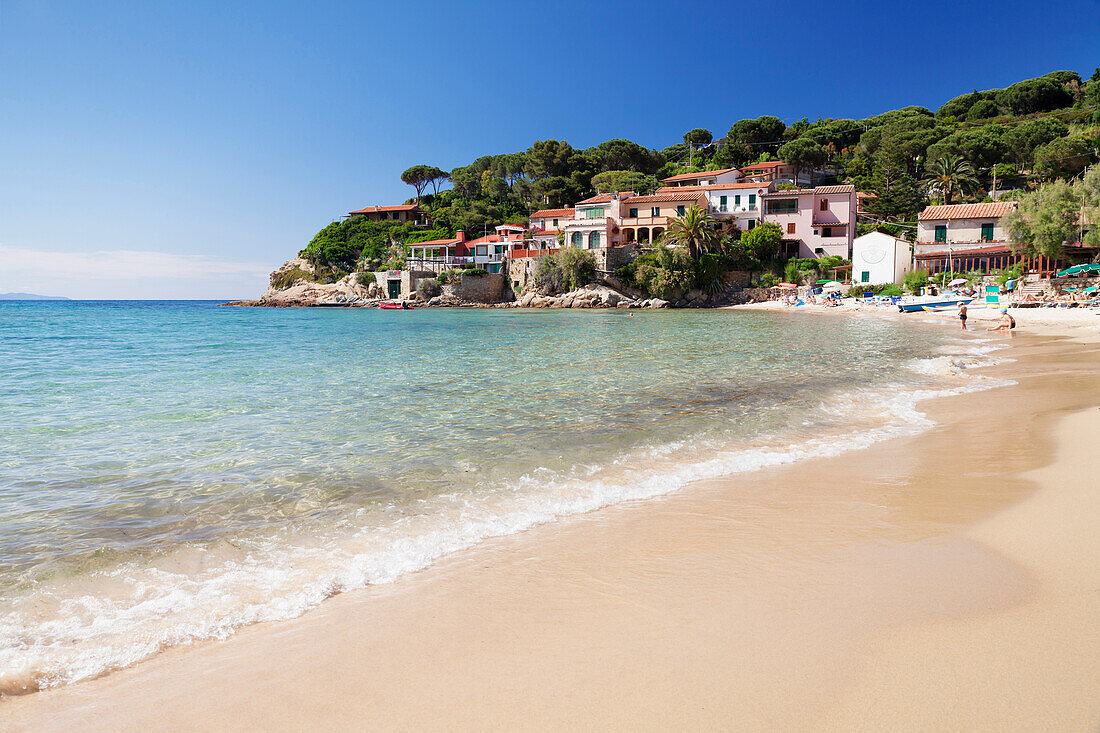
(960, 225)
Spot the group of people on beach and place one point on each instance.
(1005, 323)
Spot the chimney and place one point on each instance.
(460, 235)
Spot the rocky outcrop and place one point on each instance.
(292, 286)
(590, 296)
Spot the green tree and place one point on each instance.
(1045, 219)
(1021, 140)
(418, 177)
(1065, 156)
(983, 110)
(949, 175)
(803, 154)
(609, 181)
(984, 146)
(746, 139)
(762, 243)
(693, 231)
(1035, 95)
(698, 137)
(549, 158)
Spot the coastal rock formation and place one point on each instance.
(590, 296)
(292, 286)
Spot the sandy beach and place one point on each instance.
(942, 581)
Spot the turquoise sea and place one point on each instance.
(173, 471)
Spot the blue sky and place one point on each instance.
(186, 149)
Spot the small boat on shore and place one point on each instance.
(390, 305)
(932, 304)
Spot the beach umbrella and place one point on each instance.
(786, 285)
(957, 281)
(1077, 270)
(832, 285)
(1090, 290)
(822, 282)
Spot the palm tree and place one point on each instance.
(694, 230)
(950, 174)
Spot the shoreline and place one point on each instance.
(559, 568)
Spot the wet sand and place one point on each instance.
(942, 581)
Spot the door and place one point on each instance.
(393, 288)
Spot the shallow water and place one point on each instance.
(173, 471)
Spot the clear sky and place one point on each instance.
(185, 149)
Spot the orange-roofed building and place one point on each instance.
(703, 178)
(939, 227)
(404, 213)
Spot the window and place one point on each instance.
(790, 228)
(494, 268)
(654, 210)
(721, 203)
(752, 202)
(594, 240)
(824, 204)
(737, 200)
(633, 213)
(483, 250)
(498, 249)
(778, 206)
(864, 277)
(679, 211)
(555, 223)
(826, 231)
(819, 251)
(752, 224)
(593, 213)
(578, 240)
(941, 232)
(987, 232)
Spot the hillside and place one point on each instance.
(1033, 131)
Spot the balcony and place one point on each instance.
(644, 221)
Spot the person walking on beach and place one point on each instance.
(962, 315)
(1007, 322)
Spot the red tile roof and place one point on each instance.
(715, 187)
(545, 232)
(689, 176)
(991, 210)
(373, 209)
(768, 165)
(435, 242)
(605, 198)
(697, 196)
(552, 213)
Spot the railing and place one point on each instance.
(525, 253)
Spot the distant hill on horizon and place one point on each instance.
(30, 296)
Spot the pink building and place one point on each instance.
(816, 222)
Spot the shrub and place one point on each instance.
(474, 272)
(429, 288)
(769, 280)
(857, 291)
(365, 278)
(914, 281)
(565, 270)
(666, 272)
(280, 280)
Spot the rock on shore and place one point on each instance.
(590, 296)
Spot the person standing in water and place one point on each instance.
(962, 315)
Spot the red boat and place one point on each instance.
(389, 305)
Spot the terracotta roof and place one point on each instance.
(545, 232)
(993, 210)
(434, 242)
(714, 187)
(551, 213)
(763, 166)
(696, 196)
(820, 190)
(373, 209)
(496, 238)
(689, 176)
(605, 198)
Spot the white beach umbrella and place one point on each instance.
(832, 285)
(957, 281)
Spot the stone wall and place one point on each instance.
(488, 288)
(612, 258)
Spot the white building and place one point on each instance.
(879, 259)
(940, 227)
(703, 178)
(736, 202)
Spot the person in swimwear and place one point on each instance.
(962, 314)
(1007, 322)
